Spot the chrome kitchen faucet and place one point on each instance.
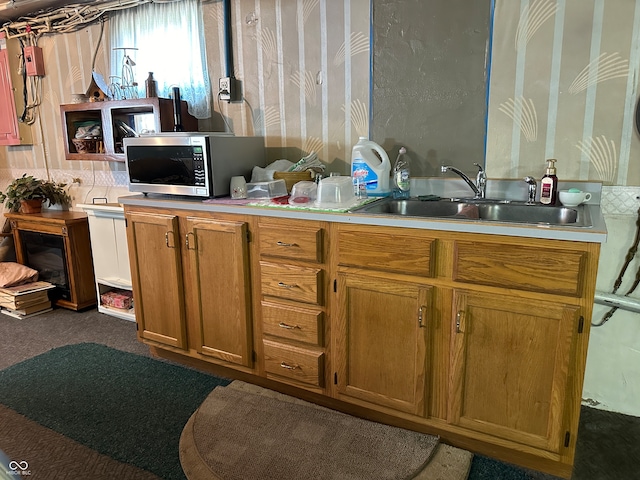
(480, 187)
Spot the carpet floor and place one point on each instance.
(125, 406)
(607, 442)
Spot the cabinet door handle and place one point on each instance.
(287, 326)
(287, 285)
(166, 239)
(284, 244)
(186, 241)
(289, 367)
(459, 320)
(421, 316)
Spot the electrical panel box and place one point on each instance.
(12, 131)
(33, 61)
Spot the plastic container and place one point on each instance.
(267, 190)
(369, 168)
(401, 176)
(335, 192)
(303, 193)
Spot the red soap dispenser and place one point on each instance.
(549, 184)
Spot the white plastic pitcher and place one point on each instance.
(368, 168)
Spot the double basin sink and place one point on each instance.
(481, 210)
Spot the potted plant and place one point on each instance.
(27, 193)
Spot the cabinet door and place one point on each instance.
(381, 341)
(219, 261)
(509, 364)
(109, 242)
(8, 118)
(156, 266)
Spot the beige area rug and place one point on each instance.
(245, 432)
(51, 456)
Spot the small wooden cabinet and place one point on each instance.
(57, 244)
(149, 114)
(190, 277)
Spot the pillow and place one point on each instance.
(12, 274)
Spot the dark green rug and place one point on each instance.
(128, 407)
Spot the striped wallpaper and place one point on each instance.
(563, 85)
(304, 72)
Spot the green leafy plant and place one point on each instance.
(31, 188)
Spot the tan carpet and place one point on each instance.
(210, 450)
(51, 456)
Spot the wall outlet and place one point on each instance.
(226, 89)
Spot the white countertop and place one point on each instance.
(594, 234)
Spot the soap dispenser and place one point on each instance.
(549, 184)
(401, 176)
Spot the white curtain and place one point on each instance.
(168, 40)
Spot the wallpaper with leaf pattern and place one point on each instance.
(303, 67)
(564, 84)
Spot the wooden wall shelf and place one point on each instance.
(156, 113)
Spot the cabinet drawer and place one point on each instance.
(298, 243)
(292, 362)
(302, 284)
(519, 267)
(292, 323)
(395, 251)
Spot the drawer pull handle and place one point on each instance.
(287, 285)
(289, 367)
(287, 326)
(284, 244)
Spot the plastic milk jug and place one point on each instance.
(368, 168)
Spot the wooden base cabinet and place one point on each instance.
(478, 338)
(509, 361)
(191, 284)
(158, 286)
(293, 285)
(381, 341)
(219, 265)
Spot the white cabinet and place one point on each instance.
(110, 254)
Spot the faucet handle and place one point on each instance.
(532, 187)
(481, 180)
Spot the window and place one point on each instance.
(168, 40)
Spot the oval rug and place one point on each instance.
(245, 432)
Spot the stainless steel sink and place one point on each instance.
(494, 211)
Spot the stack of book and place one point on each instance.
(26, 300)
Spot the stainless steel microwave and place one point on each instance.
(194, 164)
